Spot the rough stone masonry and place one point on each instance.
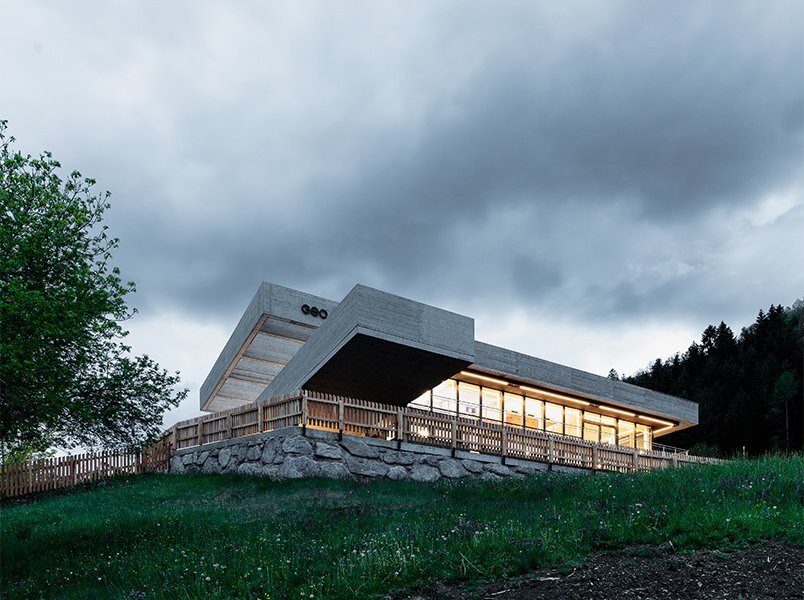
(291, 453)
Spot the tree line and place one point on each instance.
(748, 386)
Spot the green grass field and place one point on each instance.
(198, 536)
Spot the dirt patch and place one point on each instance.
(770, 570)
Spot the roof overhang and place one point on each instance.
(380, 347)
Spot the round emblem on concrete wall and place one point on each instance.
(314, 311)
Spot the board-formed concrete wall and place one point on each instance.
(290, 453)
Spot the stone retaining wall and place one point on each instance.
(289, 453)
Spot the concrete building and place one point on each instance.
(380, 347)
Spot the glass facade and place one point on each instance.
(485, 403)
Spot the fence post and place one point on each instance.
(304, 414)
(73, 472)
(229, 426)
(595, 457)
(635, 459)
(454, 441)
(503, 444)
(551, 450)
(400, 428)
(199, 431)
(340, 418)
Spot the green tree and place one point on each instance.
(66, 377)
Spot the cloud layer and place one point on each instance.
(602, 163)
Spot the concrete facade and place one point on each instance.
(380, 347)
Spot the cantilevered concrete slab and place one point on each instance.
(379, 347)
(273, 328)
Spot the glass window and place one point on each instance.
(445, 397)
(492, 404)
(643, 435)
(625, 434)
(591, 427)
(514, 409)
(534, 413)
(608, 429)
(554, 417)
(468, 400)
(572, 422)
(422, 401)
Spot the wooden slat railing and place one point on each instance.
(369, 419)
(60, 472)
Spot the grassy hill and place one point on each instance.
(198, 536)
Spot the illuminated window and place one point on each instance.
(492, 404)
(554, 417)
(445, 397)
(468, 400)
(534, 413)
(608, 429)
(422, 401)
(591, 427)
(514, 409)
(643, 435)
(625, 434)
(572, 422)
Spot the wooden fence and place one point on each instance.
(405, 424)
(67, 471)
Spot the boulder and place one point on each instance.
(224, 456)
(249, 469)
(398, 458)
(425, 473)
(366, 467)
(254, 453)
(176, 465)
(357, 448)
(333, 470)
(453, 469)
(296, 467)
(297, 445)
(323, 450)
(472, 466)
(201, 458)
(498, 469)
(211, 465)
(397, 473)
(269, 451)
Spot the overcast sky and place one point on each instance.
(593, 182)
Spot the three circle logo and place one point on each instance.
(314, 311)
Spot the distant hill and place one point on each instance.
(748, 387)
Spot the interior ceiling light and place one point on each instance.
(484, 377)
(618, 411)
(657, 431)
(546, 393)
(659, 421)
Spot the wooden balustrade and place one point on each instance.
(330, 412)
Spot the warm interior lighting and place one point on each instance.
(484, 377)
(659, 421)
(658, 431)
(618, 411)
(546, 393)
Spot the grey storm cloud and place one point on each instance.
(581, 156)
